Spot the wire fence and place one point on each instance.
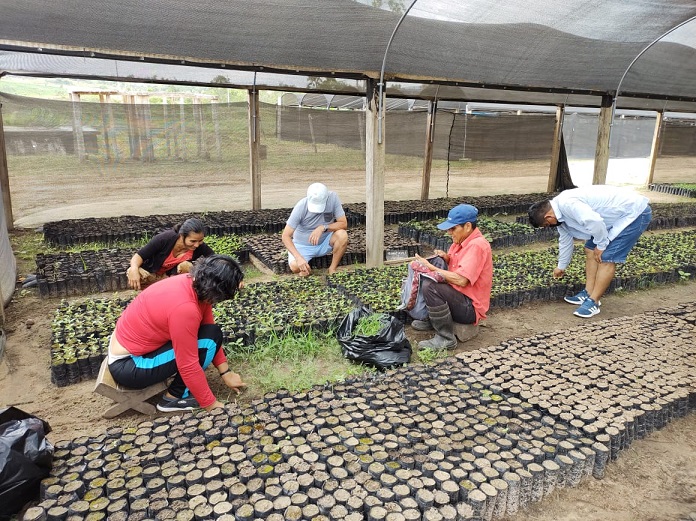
(114, 154)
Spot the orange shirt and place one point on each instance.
(473, 259)
(172, 261)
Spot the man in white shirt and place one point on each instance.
(316, 227)
(609, 218)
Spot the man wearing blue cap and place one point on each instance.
(464, 295)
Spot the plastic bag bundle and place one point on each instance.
(389, 347)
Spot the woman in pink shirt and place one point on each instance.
(168, 331)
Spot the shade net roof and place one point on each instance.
(527, 51)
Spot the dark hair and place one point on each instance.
(216, 278)
(537, 212)
(192, 225)
(473, 224)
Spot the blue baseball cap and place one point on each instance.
(460, 214)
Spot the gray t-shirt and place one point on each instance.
(305, 222)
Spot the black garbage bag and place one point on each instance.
(388, 348)
(26, 458)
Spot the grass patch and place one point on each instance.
(429, 356)
(294, 361)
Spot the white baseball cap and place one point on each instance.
(317, 194)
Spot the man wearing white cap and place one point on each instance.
(317, 226)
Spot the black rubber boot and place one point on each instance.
(422, 325)
(441, 319)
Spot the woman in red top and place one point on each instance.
(168, 330)
(168, 253)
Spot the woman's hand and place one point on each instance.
(234, 381)
(215, 406)
(558, 273)
(133, 278)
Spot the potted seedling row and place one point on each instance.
(683, 189)
(269, 249)
(67, 274)
(296, 304)
(402, 211)
(499, 233)
(423, 442)
(108, 230)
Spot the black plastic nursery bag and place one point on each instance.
(388, 348)
(26, 458)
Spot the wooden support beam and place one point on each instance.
(428, 154)
(77, 126)
(374, 179)
(656, 142)
(254, 142)
(5, 182)
(556, 149)
(601, 163)
(182, 128)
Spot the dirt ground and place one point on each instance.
(655, 479)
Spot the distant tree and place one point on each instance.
(321, 83)
(396, 6)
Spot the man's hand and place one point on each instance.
(133, 278)
(598, 254)
(425, 262)
(303, 266)
(558, 273)
(234, 381)
(316, 235)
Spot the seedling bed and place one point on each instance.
(68, 274)
(403, 211)
(477, 436)
(306, 303)
(70, 232)
(665, 216)
(683, 189)
(500, 234)
(270, 250)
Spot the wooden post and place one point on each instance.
(556, 149)
(361, 129)
(311, 132)
(77, 126)
(165, 124)
(428, 154)
(655, 149)
(216, 128)
(197, 125)
(149, 154)
(374, 179)
(254, 142)
(112, 127)
(105, 126)
(5, 182)
(601, 163)
(130, 122)
(182, 119)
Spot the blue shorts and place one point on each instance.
(618, 249)
(309, 252)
